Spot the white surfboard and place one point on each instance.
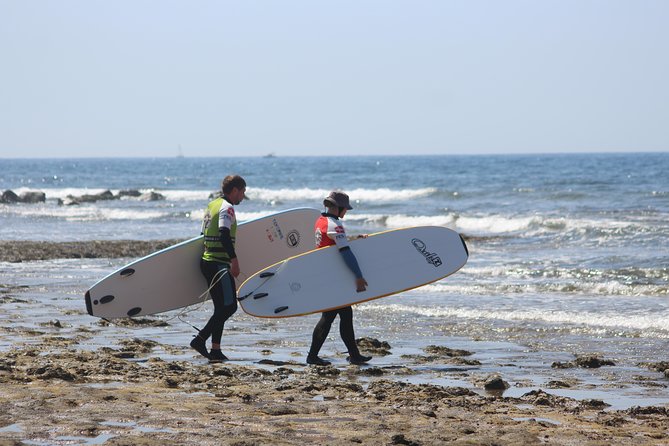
(391, 262)
(171, 278)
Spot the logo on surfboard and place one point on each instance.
(431, 257)
(293, 239)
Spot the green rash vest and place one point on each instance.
(219, 214)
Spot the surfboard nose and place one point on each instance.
(464, 244)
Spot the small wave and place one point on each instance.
(91, 213)
(357, 195)
(496, 224)
(401, 220)
(607, 289)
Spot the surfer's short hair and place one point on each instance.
(232, 181)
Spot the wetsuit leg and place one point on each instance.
(346, 330)
(321, 331)
(223, 295)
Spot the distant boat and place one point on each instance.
(180, 153)
(270, 155)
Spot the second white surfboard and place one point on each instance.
(319, 280)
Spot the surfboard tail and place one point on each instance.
(89, 305)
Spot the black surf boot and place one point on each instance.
(315, 360)
(217, 356)
(198, 344)
(358, 359)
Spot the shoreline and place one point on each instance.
(15, 251)
(68, 378)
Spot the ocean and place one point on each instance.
(569, 253)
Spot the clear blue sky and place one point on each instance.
(222, 78)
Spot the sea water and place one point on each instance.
(569, 254)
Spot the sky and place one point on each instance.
(93, 78)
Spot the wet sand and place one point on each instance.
(57, 386)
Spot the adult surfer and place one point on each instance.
(219, 264)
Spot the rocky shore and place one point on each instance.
(32, 197)
(58, 394)
(23, 251)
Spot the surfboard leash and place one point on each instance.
(202, 297)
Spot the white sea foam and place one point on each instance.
(502, 286)
(641, 322)
(185, 195)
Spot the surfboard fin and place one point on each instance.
(260, 295)
(106, 299)
(133, 311)
(127, 272)
(265, 274)
(278, 310)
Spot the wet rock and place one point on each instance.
(373, 346)
(440, 350)
(555, 384)
(403, 392)
(371, 371)
(648, 410)
(33, 197)
(92, 198)
(592, 362)
(222, 371)
(402, 440)
(279, 410)
(563, 365)
(327, 370)
(7, 364)
(464, 361)
(54, 323)
(50, 371)
(171, 383)
(588, 362)
(9, 197)
(278, 363)
(662, 366)
(29, 197)
(129, 193)
(137, 345)
(495, 382)
(541, 398)
(594, 404)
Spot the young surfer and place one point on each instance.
(219, 264)
(330, 231)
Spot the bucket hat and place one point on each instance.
(338, 199)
